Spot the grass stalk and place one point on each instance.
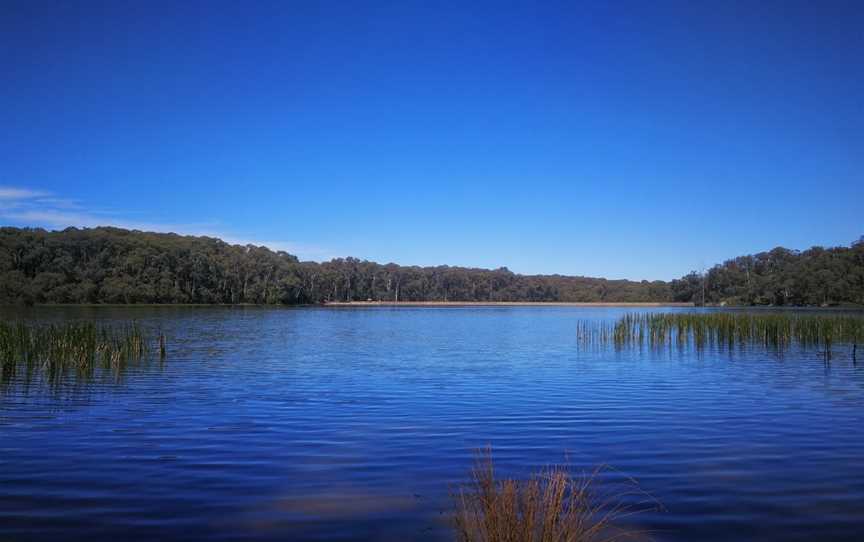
(726, 330)
(551, 506)
(79, 348)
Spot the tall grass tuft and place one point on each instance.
(78, 348)
(550, 506)
(726, 330)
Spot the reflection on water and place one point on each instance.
(727, 331)
(70, 354)
(353, 424)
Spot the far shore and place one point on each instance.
(338, 304)
(498, 304)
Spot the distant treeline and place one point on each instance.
(111, 265)
(817, 276)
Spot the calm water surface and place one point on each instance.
(352, 424)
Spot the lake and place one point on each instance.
(355, 423)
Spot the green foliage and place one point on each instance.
(817, 276)
(54, 351)
(725, 330)
(110, 265)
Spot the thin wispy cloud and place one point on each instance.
(35, 208)
(8, 193)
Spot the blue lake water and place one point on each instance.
(354, 424)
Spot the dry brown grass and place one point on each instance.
(550, 506)
(503, 304)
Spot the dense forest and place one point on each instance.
(817, 276)
(111, 265)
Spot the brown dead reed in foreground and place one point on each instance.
(550, 506)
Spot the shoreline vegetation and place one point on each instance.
(552, 505)
(727, 330)
(84, 350)
(107, 265)
(454, 304)
(634, 304)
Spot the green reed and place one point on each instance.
(80, 348)
(726, 330)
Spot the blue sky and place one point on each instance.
(621, 139)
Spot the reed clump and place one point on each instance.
(76, 347)
(550, 506)
(727, 329)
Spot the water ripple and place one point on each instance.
(269, 424)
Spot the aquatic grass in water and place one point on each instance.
(726, 330)
(550, 506)
(82, 349)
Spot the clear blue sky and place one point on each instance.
(619, 139)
